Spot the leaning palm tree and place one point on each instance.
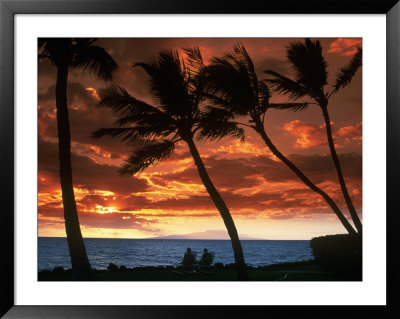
(310, 80)
(154, 129)
(234, 90)
(65, 53)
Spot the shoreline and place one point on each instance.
(219, 266)
(307, 270)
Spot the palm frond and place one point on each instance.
(284, 85)
(194, 60)
(246, 76)
(245, 63)
(119, 100)
(95, 60)
(132, 135)
(150, 154)
(115, 98)
(263, 97)
(221, 102)
(347, 73)
(289, 106)
(216, 124)
(168, 83)
(151, 120)
(124, 133)
(144, 120)
(148, 125)
(309, 64)
(229, 85)
(195, 74)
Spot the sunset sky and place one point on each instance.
(266, 199)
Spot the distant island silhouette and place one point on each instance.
(206, 235)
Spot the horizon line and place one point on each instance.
(167, 238)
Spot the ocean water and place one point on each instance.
(53, 252)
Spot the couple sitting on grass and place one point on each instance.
(190, 258)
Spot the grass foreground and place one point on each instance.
(299, 271)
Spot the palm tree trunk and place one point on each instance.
(260, 130)
(352, 210)
(79, 260)
(224, 211)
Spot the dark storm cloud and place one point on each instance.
(47, 72)
(76, 93)
(84, 118)
(87, 174)
(320, 167)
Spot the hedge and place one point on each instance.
(340, 253)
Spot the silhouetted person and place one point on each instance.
(189, 258)
(207, 258)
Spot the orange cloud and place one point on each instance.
(345, 46)
(307, 135)
(236, 149)
(93, 93)
(351, 132)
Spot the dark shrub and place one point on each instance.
(219, 266)
(112, 267)
(123, 268)
(45, 272)
(58, 269)
(339, 253)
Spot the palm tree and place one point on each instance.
(310, 80)
(79, 54)
(235, 91)
(153, 130)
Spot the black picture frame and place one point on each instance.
(8, 10)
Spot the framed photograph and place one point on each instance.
(176, 159)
